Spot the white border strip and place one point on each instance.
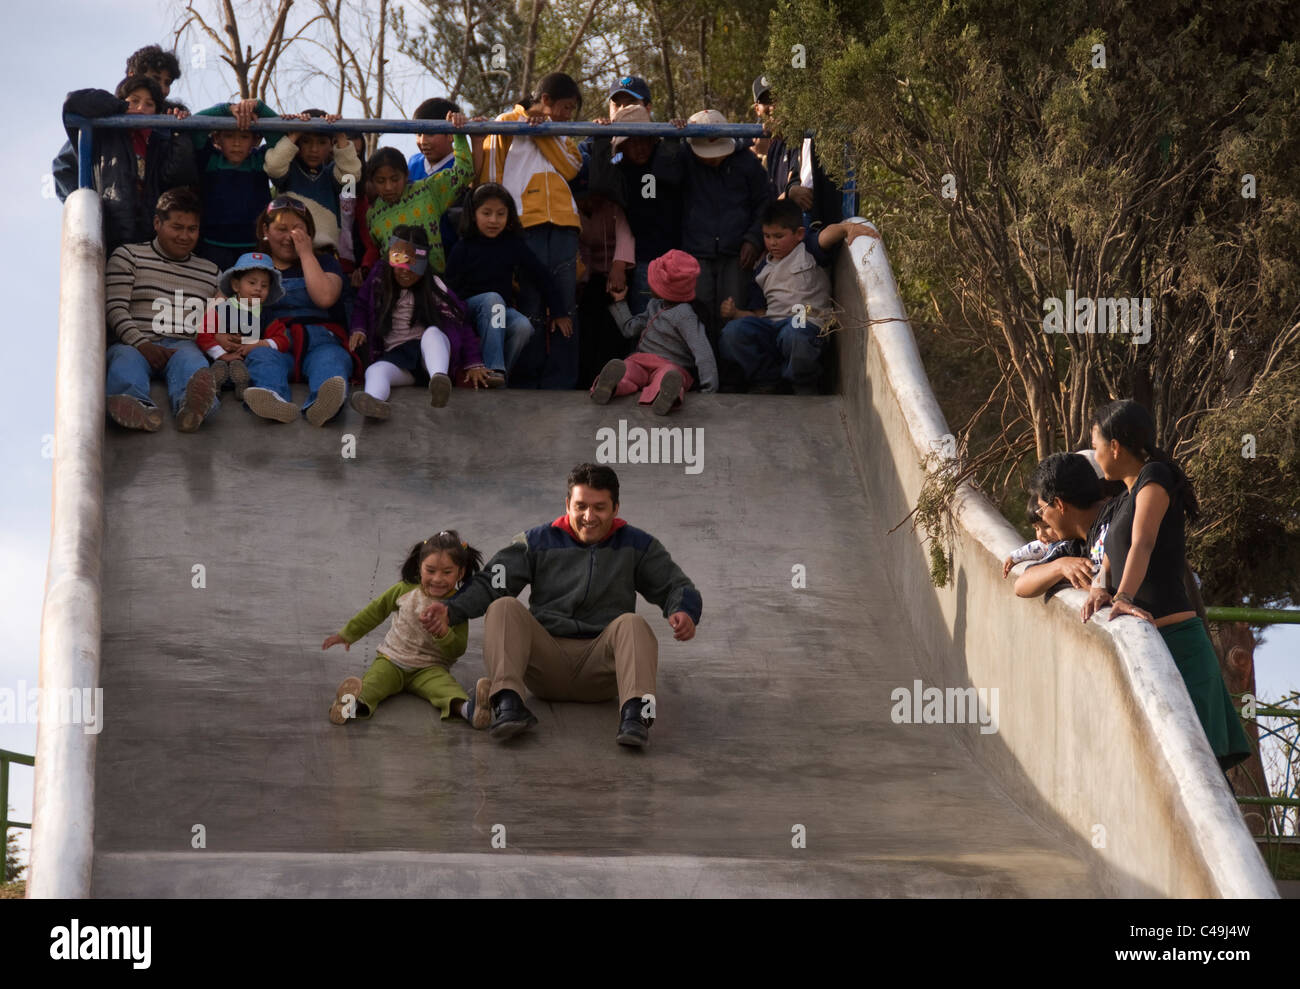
(63, 816)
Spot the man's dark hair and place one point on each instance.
(152, 58)
(435, 109)
(1068, 476)
(596, 476)
(182, 199)
(782, 213)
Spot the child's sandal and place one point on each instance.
(347, 696)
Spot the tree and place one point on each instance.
(1019, 150)
(14, 868)
(253, 72)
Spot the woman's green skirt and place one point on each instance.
(1199, 665)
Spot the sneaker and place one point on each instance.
(509, 716)
(633, 729)
(220, 373)
(132, 413)
(610, 375)
(349, 689)
(370, 406)
(238, 373)
(267, 404)
(480, 709)
(439, 390)
(670, 389)
(329, 399)
(200, 396)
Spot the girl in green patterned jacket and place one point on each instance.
(411, 659)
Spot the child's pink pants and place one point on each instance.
(646, 372)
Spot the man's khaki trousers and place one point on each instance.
(620, 662)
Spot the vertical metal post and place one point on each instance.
(4, 818)
(85, 160)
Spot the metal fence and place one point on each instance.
(6, 757)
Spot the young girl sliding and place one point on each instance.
(482, 267)
(414, 325)
(411, 659)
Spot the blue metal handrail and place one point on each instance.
(280, 125)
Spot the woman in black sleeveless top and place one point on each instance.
(1145, 559)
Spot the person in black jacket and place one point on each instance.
(152, 61)
(724, 194)
(132, 167)
(644, 176)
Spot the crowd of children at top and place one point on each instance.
(622, 265)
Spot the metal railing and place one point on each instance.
(6, 757)
(280, 125)
(1254, 616)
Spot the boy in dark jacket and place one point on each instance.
(724, 193)
(132, 167)
(233, 181)
(647, 174)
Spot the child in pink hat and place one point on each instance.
(671, 340)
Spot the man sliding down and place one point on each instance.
(579, 638)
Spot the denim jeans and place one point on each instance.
(550, 360)
(504, 332)
(268, 368)
(129, 372)
(323, 358)
(768, 350)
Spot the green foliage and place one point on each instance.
(1015, 150)
(1247, 546)
(14, 868)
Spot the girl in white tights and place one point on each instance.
(415, 328)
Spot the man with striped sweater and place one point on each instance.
(157, 294)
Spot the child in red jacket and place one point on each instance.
(232, 328)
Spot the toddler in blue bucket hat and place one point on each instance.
(234, 326)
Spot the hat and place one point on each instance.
(710, 147)
(634, 114)
(762, 88)
(406, 255)
(672, 276)
(253, 261)
(632, 85)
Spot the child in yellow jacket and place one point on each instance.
(536, 171)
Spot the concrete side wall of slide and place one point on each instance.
(1095, 727)
(63, 819)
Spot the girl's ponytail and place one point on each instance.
(447, 541)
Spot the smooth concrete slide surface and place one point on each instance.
(230, 554)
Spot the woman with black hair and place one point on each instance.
(1146, 559)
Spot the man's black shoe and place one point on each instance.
(509, 716)
(633, 729)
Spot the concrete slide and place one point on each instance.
(778, 765)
